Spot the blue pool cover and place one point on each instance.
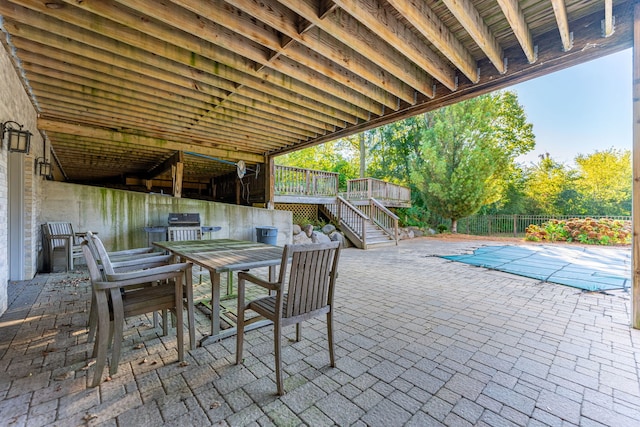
(588, 268)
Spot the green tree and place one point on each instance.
(604, 182)
(550, 187)
(467, 153)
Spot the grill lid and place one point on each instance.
(184, 219)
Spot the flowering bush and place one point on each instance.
(602, 231)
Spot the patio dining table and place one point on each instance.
(224, 256)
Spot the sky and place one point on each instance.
(580, 110)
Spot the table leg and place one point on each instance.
(215, 303)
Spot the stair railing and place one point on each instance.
(350, 218)
(384, 218)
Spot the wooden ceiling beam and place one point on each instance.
(144, 50)
(433, 29)
(247, 26)
(278, 16)
(352, 33)
(158, 93)
(468, 16)
(371, 14)
(119, 136)
(515, 17)
(167, 165)
(164, 119)
(69, 112)
(560, 11)
(552, 59)
(215, 43)
(179, 84)
(171, 103)
(608, 18)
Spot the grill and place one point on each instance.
(178, 220)
(184, 220)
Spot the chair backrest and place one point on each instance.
(311, 278)
(101, 254)
(184, 233)
(95, 273)
(57, 228)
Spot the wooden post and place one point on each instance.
(635, 291)
(176, 176)
(269, 182)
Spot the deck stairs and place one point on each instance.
(376, 227)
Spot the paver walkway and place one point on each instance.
(420, 341)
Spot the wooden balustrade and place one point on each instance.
(367, 188)
(292, 181)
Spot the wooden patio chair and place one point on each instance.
(184, 233)
(122, 261)
(308, 293)
(154, 289)
(108, 268)
(60, 235)
(187, 233)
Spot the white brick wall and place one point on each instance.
(15, 104)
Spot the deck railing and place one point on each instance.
(349, 218)
(367, 188)
(384, 218)
(304, 182)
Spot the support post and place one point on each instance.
(635, 291)
(269, 182)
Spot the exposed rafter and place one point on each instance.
(608, 25)
(434, 30)
(373, 16)
(472, 22)
(560, 10)
(515, 17)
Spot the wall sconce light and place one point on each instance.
(44, 167)
(16, 139)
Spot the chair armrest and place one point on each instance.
(140, 263)
(149, 275)
(128, 252)
(272, 286)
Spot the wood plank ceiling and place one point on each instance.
(121, 86)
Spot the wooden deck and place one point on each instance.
(308, 186)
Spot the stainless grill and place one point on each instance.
(184, 220)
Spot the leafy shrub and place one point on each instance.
(591, 231)
(442, 228)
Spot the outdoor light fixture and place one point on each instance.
(16, 139)
(44, 166)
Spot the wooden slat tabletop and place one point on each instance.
(222, 255)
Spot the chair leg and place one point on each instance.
(102, 339)
(332, 357)
(118, 330)
(277, 344)
(93, 319)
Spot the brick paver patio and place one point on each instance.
(420, 341)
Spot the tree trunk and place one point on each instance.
(454, 225)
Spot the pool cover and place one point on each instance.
(591, 269)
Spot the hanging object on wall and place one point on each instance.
(241, 168)
(17, 140)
